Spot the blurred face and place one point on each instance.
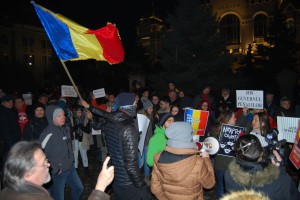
(181, 94)
(155, 100)
(172, 95)
(163, 105)
(174, 110)
(171, 86)
(149, 110)
(204, 106)
(169, 122)
(19, 103)
(225, 93)
(78, 113)
(60, 119)
(206, 90)
(8, 104)
(111, 98)
(39, 112)
(43, 100)
(39, 175)
(232, 119)
(269, 97)
(255, 122)
(146, 94)
(286, 105)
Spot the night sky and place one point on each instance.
(95, 14)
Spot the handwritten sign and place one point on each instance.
(295, 154)
(250, 98)
(197, 119)
(99, 93)
(27, 98)
(228, 136)
(287, 127)
(68, 91)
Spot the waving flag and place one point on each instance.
(72, 41)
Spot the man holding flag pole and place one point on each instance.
(72, 42)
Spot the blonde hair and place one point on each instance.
(245, 195)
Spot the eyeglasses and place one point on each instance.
(45, 164)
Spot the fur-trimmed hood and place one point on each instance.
(259, 178)
(245, 194)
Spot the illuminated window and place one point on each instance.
(230, 29)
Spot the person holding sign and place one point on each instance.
(221, 162)
(253, 170)
(147, 111)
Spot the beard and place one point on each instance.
(48, 177)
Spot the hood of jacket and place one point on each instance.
(259, 178)
(49, 112)
(177, 171)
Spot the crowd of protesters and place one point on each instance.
(169, 165)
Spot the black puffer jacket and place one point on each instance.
(122, 138)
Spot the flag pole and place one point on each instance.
(71, 79)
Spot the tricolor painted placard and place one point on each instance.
(198, 120)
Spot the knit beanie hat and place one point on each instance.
(56, 111)
(146, 103)
(163, 118)
(180, 135)
(123, 99)
(6, 98)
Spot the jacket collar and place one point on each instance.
(180, 151)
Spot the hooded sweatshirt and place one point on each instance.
(56, 142)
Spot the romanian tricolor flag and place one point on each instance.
(72, 41)
(197, 119)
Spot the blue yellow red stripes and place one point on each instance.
(72, 41)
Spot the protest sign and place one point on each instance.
(287, 127)
(197, 119)
(250, 98)
(68, 91)
(96, 132)
(99, 93)
(295, 154)
(143, 123)
(228, 136)
(27, 98)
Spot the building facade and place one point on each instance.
(245, 23)
(27, 46)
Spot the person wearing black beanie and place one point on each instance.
(37, 123)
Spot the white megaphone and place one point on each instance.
(210, 145)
